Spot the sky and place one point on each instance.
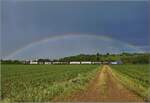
(26, 24)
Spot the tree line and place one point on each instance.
(126, 58)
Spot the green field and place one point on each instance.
(38, 83)
(134, 77)
(43, 82)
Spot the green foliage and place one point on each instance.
(43, 60)
(29, 83)
(126, 58)
(135, 77)
(136, 59)
(96, 57)
(11, 62)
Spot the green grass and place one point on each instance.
(134, 77)
(43, 82)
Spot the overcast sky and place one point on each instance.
(26, 22)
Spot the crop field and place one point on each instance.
(43, 82)
(134, 77)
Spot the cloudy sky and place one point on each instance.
(26, 23)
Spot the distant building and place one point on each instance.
(86, 62)
(33, 62)
(26, 62)
(41, 63)
(64, 63)
(56, 62)
(114, 63)
(120, 62)
(75, 62)
(96, 62)
(105, 62)
(72, 62)
(47, 63)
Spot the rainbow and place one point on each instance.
(70, 35)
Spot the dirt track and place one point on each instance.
(105, 87)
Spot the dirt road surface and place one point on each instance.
(105, 88)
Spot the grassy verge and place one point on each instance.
(134, 84)
(77, 84)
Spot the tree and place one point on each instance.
(97, 57)
(107, 54)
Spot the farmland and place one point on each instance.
(134, 77)
(43, 82)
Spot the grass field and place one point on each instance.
(134, 77)
(43, 82)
